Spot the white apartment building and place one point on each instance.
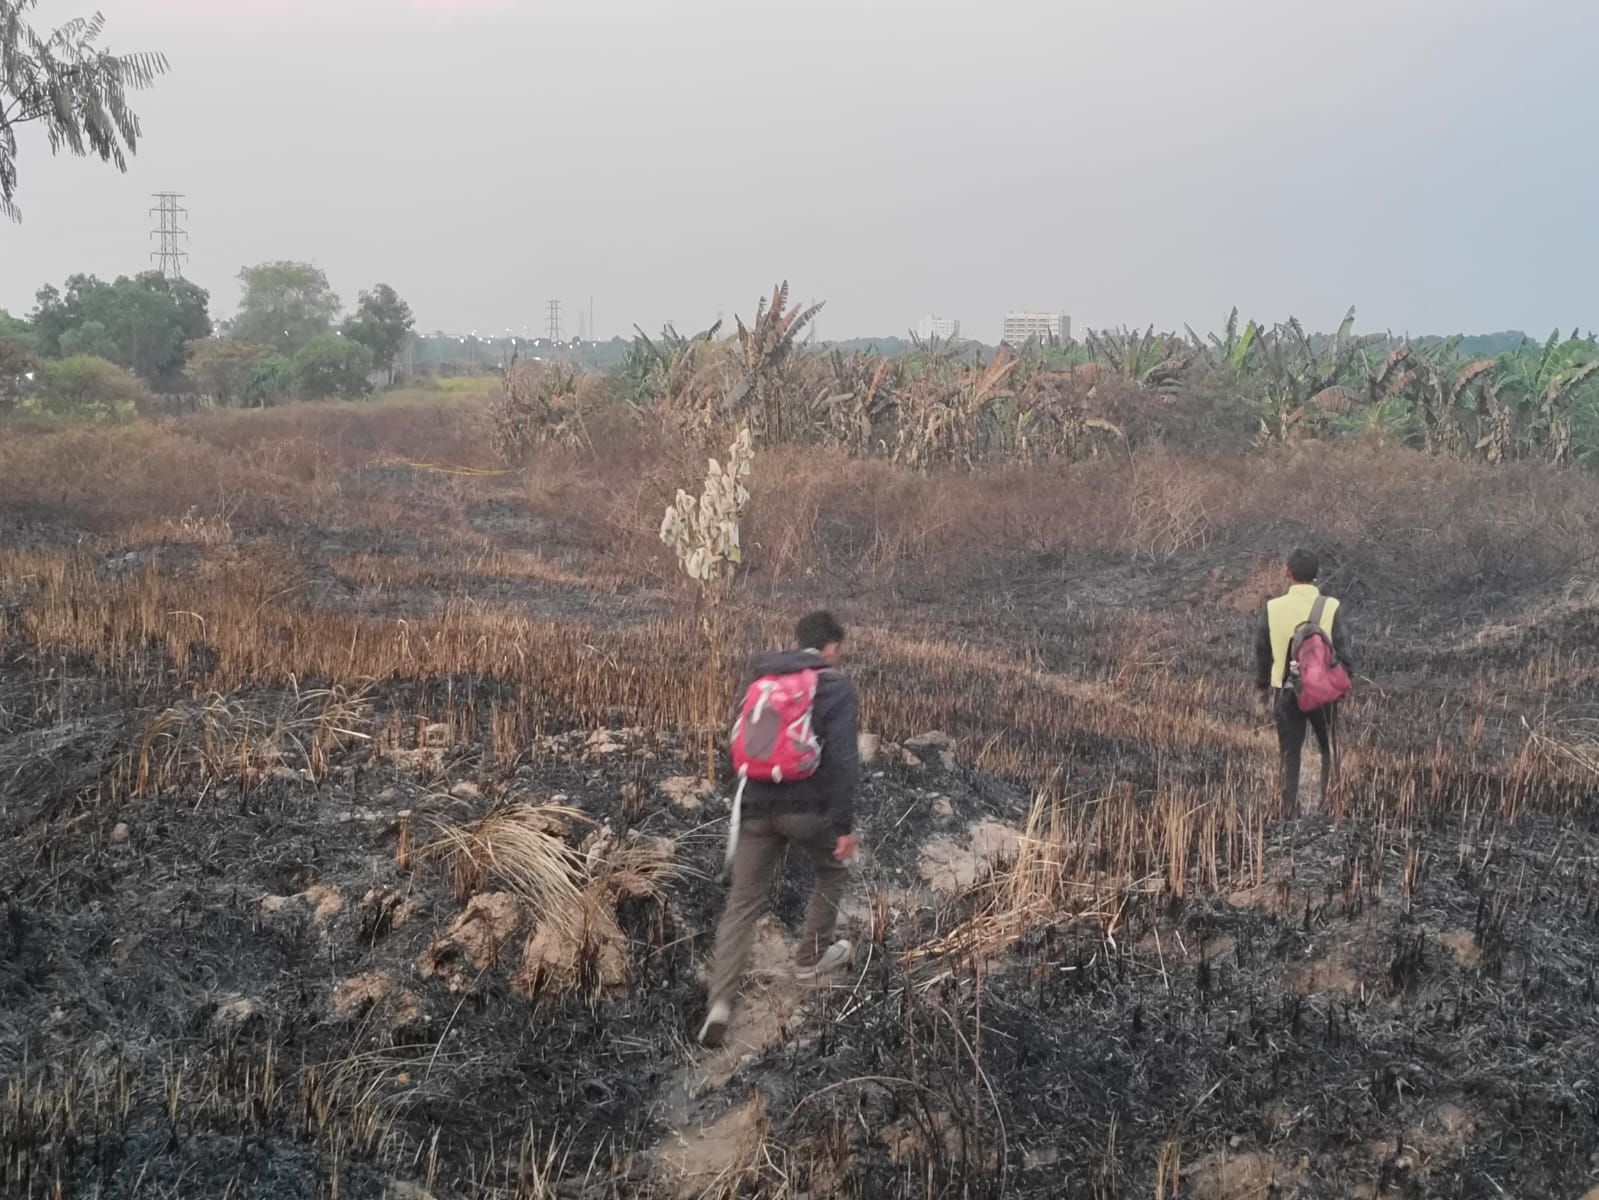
(945, 328)
(1019, 326)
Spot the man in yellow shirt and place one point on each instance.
(1274, 635)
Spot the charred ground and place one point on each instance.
(1094, 960)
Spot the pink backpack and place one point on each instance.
(1314, 672)
(772, 738)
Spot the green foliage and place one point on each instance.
(1153, 361)
(141, 323)
(225, 369)
(382, 323)
(85, 388)
(91, 339)
(271, 379)
(70, 87)
(16, 331)
(284, 306)
(331, 365)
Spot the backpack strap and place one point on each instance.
(1316, 610)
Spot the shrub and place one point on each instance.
(19, 371)
(271, 379)
(224, 369)
(329, 365)
(544, 402)
(87, 388)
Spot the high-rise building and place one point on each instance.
(1019, 326)
(938, 327)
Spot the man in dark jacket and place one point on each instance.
(1274, 635)
(816, 814)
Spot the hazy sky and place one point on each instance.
(1430, 161)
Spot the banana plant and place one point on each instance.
(1154, 361)
(1304, 379)
(765, 346)
(1547, 386)
(1233, 350)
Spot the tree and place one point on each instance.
(285, 305)
(382, 322)
(224, 369)
(14, 330)
(331, 365)
(87, 388)
(75, 90)
(89, 338)
(271, 380)
(141, 324)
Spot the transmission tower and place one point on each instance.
(555, 320)
(169, 258)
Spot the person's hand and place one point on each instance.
(847, 845)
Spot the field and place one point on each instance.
(355, 838)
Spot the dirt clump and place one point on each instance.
(474, 939)
(323, 900)
(929, 745)
(1463, 944)
(720, 1155)
(563, 955)
(1443, 1132)
(952, 866)
(376, 993)
(1351, 966)
(687, 792)
(387, 908)
(1253, 1175)
(908, 1141)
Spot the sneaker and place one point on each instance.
(832, 958)
(716, 1023)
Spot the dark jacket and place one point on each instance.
(835, 719)
(1342, 645)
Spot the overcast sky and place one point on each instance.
(1430, 161)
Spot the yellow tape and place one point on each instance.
(437, 469)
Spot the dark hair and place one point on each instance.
(818, 630)
(1304, 566)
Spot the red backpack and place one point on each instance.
(772, 738)
(1314, 672)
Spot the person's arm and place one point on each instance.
(746, 676)
(1263, 653)
(842, 755)
(1343, 645)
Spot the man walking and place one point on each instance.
(1274, 646)
(814, 812)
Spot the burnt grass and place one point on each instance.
(163, 1032)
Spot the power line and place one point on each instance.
(169, 258)
(555, 320)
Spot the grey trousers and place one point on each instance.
(761, 842)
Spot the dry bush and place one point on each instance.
(585, 951)
(522, 846)
(217, 739)
(544, 402)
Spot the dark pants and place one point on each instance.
(1291, 724)
(761, 842)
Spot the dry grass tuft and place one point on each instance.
(522, 846)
